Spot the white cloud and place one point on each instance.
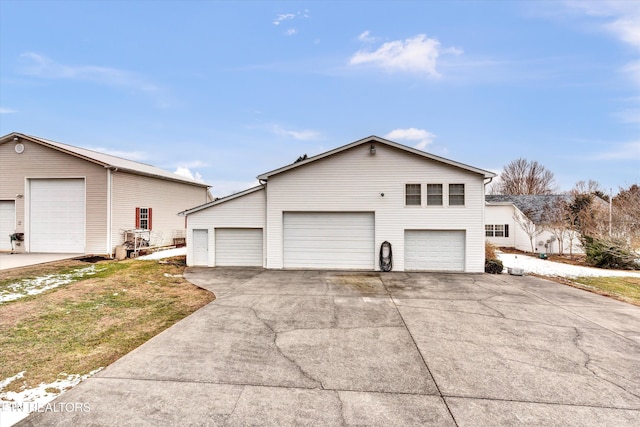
(301, 135)
(366, 37)
(283, 17)
(622, 17)
(291, 32)
(423, 137)
(418, 55)
(619, 18)
(39, 65)
(626, 151)
(186, 172)
(629, 115)
(4, 110)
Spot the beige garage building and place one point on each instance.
(67, 199)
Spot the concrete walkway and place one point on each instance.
(341, 348)
(8, 260)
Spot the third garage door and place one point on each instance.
(434, 250)
(329, 240)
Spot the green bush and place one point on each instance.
(493, 266)
(610, 254)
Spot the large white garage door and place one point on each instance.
(56, 215)
(434, 250)
(329, 240)
(239, 247)
(7, 223)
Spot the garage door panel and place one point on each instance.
(57, 215)
(329, 240)
(240, 247)
(435, 250)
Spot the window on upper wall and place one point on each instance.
(496, 230)
(456, 194)
(434, 194)
(143, 218)
(413, 195)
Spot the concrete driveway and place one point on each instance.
(9, 260)
(342, 348)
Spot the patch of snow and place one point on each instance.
(165, 254)
(549, 268)
(24, 287)
(15, 406)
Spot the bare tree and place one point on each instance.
(522, 176)
(626, 215)
(529, 227)
(555, 222)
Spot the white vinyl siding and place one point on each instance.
(7, 223)
(434, 250)
(355, 181)
(57, 215)
(200, 244)
(239, 247)
(329, 240)
(246, 211)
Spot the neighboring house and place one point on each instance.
(511, 219)
(334, 210)
(68, 199)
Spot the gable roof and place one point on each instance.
(220, 200)
(106, 160)
(532, 205)
(376, 139)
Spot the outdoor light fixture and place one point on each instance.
(372, 149)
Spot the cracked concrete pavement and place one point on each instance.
(360, 348)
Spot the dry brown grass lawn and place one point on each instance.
(79, 327)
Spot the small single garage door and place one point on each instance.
(434, 250)
(329, 240)
(57, 219)
(239, 247)
(7, 223)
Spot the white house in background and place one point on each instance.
(68, 199)
(502, 229)
(334, 210)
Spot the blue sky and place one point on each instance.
(225, 91)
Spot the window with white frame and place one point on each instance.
(413, 195)
(434, 194)
(496, 230)
(143, 218)
(456, 194)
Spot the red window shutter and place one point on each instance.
(149, 219)
(137, 217)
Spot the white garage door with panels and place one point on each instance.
(57, 215)
(434, 250)
(239, 247)
(7, 223)
(329, 240)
